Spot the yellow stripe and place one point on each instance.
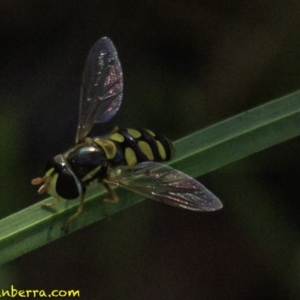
(52, 186)
(117, 137)
(146, 149)
(130, 157)
(108, 147)
(91, 174)
(161, 150)
(134, 133)
(151, 132)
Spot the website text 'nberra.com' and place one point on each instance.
(15, 293)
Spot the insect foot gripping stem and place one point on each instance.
(73, 217)
(114, 198)
(56, 201)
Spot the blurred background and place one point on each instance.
(187, 65)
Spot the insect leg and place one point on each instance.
(114, 198)
(56, 201)
(79, 210)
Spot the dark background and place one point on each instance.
(187, 65)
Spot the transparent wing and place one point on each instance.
(102, 87)
(167, 185)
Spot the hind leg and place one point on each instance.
(113, 196)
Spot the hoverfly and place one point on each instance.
(128, 158)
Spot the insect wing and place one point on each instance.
(102, 87)
(167, 185)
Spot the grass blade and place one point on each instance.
(196, 154)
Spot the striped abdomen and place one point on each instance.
(132, 146)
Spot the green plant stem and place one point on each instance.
(196, 154)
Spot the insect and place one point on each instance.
(128, 158)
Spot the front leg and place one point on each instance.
(56, 201)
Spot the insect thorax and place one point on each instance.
(132, 146)
(88, 161)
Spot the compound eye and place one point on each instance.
(66, 186)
